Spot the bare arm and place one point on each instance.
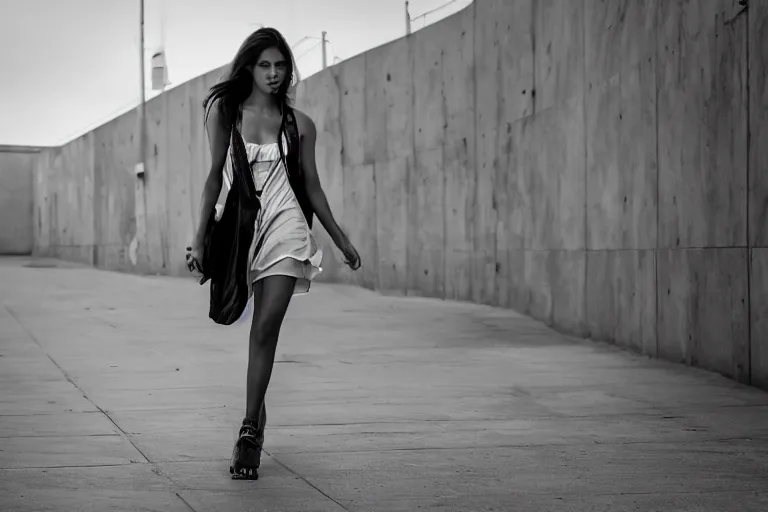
(312, 181)
(218, 140)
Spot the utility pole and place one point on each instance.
(407, 19)
(325, 51)
(137, 250)
(142, 106)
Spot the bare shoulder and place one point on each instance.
(305, 123)
(214, 120)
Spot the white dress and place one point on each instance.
(287, 245)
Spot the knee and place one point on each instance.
(264, 332)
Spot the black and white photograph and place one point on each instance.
(384, 256)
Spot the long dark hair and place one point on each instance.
(237, 85)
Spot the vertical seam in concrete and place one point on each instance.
(94, 201)
(534, 4)
(338, 80)
(373, 280)
(192, 174)
(749, 237)
(94, 192)
(409, 169)
(585, 318)
(445, 177)
(166, 211)
(497, 164)
(473, 256)
(658, 173)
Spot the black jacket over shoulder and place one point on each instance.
(227, 241)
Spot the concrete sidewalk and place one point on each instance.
(118, 394)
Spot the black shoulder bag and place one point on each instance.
(227, 242)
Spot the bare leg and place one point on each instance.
(271, 297)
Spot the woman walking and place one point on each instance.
(252, 103)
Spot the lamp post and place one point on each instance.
(325, 50)
(407, 19)
(142, 105)
(137, 250)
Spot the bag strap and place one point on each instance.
(240, 166)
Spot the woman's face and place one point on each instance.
(270, 71)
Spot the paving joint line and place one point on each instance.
(300, 477)
(156, 470)
(69, 379)
(185, 502)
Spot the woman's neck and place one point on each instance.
(261, 102)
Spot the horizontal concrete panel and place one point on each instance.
(359, 221)
(429, 102)
(199, 150)
(702, 309)
(322, 105)
(618, 35)
(389, 104)
(392, 199)
(759, 315)
(114, 257)
(459, 172)
(504, 61)
(514, 184)
(351, 98)
(76, 253)
(426, 225)
(622, 173)
(116, 152)
(558, 52)
(548, 285)
(555, 179)
(181, 209)
(516, 40)
(458, 78)
(74, 193)
(758, 124)
(488, 119)
(152, 193)
(702, 125)
(41, 206)
(16, 202)
(621, 298)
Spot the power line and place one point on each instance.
(423, 15)
(305, 38)
(309, 50)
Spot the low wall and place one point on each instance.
(591, 164)
(16, 166)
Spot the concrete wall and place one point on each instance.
(584, 162)
(16, 165)
(91, 207)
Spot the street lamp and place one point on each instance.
(159, 71)
(407, 18)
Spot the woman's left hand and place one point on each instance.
(351, 257)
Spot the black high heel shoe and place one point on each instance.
(246, 456)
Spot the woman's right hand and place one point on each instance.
(195, 258)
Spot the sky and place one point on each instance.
(68, 66)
